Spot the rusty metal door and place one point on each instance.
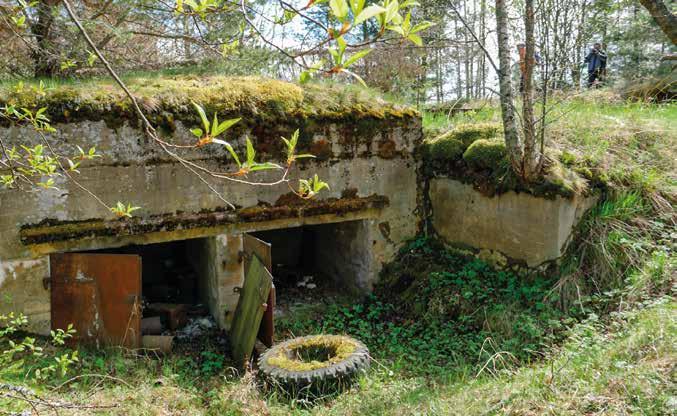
(249, 311)
(99, 294)
(253, 246)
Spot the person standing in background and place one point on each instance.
(596, 61)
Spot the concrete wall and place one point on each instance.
(135, 171)
(344, 252)
(520, 226)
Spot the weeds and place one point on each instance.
(449, 309)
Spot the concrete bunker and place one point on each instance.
(365, 150)
(159, 289)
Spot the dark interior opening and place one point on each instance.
(172, 286)
(312, 263)
(294, 257)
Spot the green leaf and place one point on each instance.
(251, 153)
(91, 58)
(391, 10)
(339, 9)
(406, 24)
(294, 138)
(264, 166)
(215, 124)
(416, 39)
(232, 153)
(397, 19)
(355, 57)
(341, 44)
(305, 77)
(225, 126)
(357, 77)
(203, 115)
(421, 26)
(356, 6)
(397, 29)
(368, 13)
(335, 54)
(197, 132)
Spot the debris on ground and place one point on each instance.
(196, 327)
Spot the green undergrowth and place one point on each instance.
(620, 365)
(450, 335)
(438, 312)
(622, 250)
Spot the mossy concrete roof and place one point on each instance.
(262, 99)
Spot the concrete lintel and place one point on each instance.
(102, 242)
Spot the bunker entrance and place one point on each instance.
(133, 295)
(315, 261)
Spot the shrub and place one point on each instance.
(485, 154)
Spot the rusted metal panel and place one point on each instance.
(267, 329)
(99, 294)
(249, 311)
(262, 249)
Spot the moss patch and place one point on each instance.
(443, 149)
(485, 154)
(268, 109)
(450, 146)
(476, 154)
(248, 97)
(313, 353)
(467, 133)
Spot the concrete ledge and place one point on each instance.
(519, 225)
(49, 232)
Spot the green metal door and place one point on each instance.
(250, 308)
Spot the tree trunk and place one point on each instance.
(186, 43)
(665, 19)
(512, 138)
(45, 56)
(531, 161)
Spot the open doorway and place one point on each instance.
(313, 262)
(133, 294)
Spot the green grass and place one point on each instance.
(622, 365)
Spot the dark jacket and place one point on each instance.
(596, 60)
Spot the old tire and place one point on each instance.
(314, 366)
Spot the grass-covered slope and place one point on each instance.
(594, 140)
